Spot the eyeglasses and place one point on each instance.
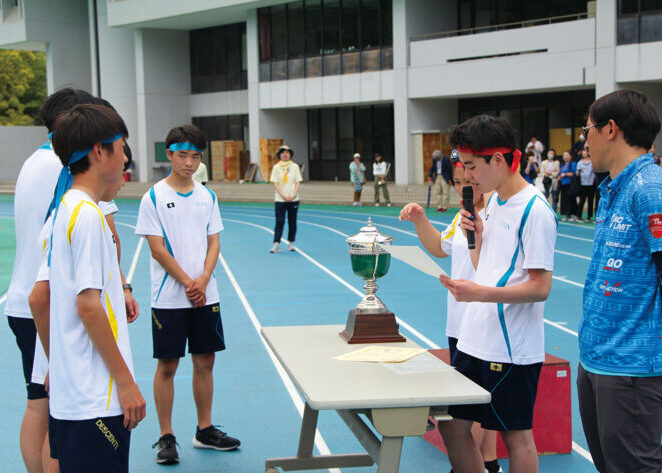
(586, 129)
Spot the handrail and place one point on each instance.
(501, 26)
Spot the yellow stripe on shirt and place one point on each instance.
(452, 232)
(113, 327)
(74, 217)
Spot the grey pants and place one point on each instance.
(622, 420)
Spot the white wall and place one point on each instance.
(290, 125)
(234, 102)
(163, 89)
(18, 143)
(605, 47)
(653, 91)
(634, 62)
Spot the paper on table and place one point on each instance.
(416, 257)
(379, 354)
(419, 364)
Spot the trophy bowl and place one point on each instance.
(370, 321)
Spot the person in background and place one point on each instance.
(567, 174)
(586, 186)
(200, 175)
(531, 170)
(577, 148)
(537, 147)
(357, 177)
(550, 181)
(379, 170)
(441, 176)
(286, 178)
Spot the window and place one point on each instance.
(218, 59)
(639, 21)
(311, 38)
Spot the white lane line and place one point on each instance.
(136, 255)
(564, 279)
(590, 240)
(291, 390)
(582, 451)
(3, 298)
(404, 324)
(573, 254)
(560, 327)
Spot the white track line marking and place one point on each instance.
(3, 298)
(136, 255)
(291, 390)
(582, 451)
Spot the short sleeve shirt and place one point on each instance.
(184, 221)
(621, 327)
(519, 235)
(454, 244)
(286, 174)
(83, 256)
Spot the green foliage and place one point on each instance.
(22, 86)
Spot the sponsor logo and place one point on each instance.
(504, 224)
(618, 244)
(655, 225)
(616, 223)
(496, 367)
(614, 264)
(609, 290)
(108, 434)
(113, 237)
(170, 205)
(215, 308)
(156, 321)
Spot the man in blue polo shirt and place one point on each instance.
(619, 382)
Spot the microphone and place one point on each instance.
(468, 205)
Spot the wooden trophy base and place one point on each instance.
(371, 328)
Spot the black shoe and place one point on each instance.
(166, 450)
(215, 439)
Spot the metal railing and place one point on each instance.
(500, 27)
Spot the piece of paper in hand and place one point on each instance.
(415, 256)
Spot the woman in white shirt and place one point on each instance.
(550, 169)
(379, 170)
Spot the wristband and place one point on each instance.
(127, 286)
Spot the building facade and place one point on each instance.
(334, 77)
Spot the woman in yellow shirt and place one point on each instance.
(286, 177)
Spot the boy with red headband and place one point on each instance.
(501, 340)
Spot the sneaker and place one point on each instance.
(376, 204)
(291, 247)
(215, 439)
(564, 219)
(580, 220)
(275, 248)
(573, 219)
(493, 467)
(166, 450)
(388, 204)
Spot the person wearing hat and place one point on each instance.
(357, 176)
(440, 174)
(286, 177)
(380, 170)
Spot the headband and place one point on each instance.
(184, 146)
(458, 164)
(517, 154)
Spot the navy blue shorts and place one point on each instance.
(201, 326)
(513, 389)
(100, 445)
(52, 436)
(25, 332)
(452, 349)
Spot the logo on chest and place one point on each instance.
(655, 225)
(613, 289)
(170, 205)
(503, 224)
(616, 223)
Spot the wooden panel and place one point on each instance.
(560, 139)
(431, 142)
(216, 150)
(268, 159)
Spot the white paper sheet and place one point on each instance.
(419, 364)
(415, 256)
(381, 354)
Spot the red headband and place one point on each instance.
(517, 154)
(458, 164)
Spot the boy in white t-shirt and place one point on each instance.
(501, 340)
(452, 242)
(286, 178)
(181, 220)
(94, 400)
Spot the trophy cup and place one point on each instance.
(370, 321)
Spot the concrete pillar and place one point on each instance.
(402, 139)
(253, 69)
(605, 47)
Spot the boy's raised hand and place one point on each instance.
(412, 212)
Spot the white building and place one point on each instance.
(332, 77)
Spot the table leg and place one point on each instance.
(389, 455)
(308, 428)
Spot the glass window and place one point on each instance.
(483, 15)
(387, 23)
(328, 131)
(278, 32)
(314, 134)
(313, 18)
(567, 7)
(350, 25)
(369, 24)
(331, 22)
(651, 5)
(534, 10)
(265, 34)
(627, 29)
(295, 30)
(509, 11)
(626, 7)
(466, 21)
(651, 27)
(217, 58)
(345, 133)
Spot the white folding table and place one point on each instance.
(397, 404)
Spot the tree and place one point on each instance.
(22, 86)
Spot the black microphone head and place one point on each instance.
(468, 197)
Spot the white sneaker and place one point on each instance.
(275, 248)
(291, 247)
(388, 205)
(377, 204)
(573, 219)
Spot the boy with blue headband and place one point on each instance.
(94, 399)
(181, 221)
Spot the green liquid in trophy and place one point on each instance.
(364, 265)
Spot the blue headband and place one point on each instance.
(184, 146)
(65, 180)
